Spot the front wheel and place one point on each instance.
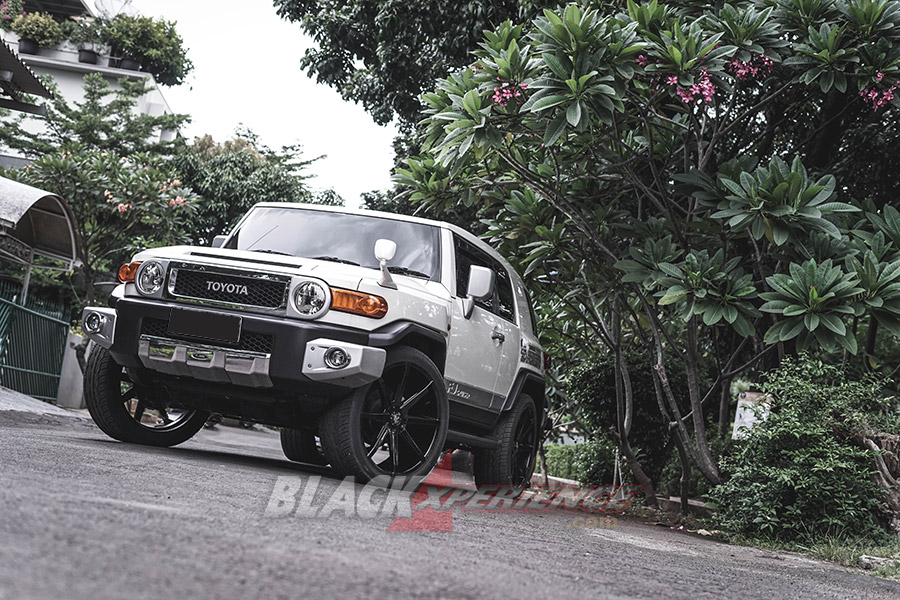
(512, 463)
(125, 413)
(299, 445)
(394, 426)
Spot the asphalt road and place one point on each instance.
(82, 516)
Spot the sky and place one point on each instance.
(247, 71)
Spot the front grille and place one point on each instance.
(230, 289)
(250, 342)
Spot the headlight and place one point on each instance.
(150, 277)
(310, 299)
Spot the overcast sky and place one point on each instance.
(246, 70)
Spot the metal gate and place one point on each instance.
(32, 344)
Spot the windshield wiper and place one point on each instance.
(335, 259)
(405, 271)
(267, 251)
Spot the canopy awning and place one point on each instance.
(16, 80)
(36, 223)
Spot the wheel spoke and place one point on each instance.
(128, 395)
(384, 394)
(414, 420)
(378, 441)
(165, 416)
(409, 440)
(398, 395)
(415, 397)
(377, 417)
(395, 452)
(139, 411)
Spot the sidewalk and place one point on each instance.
(16, 402)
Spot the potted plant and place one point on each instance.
(87, 35)
(37, 30)
(153, 43)
(9, 10)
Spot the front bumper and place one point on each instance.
(290, 355)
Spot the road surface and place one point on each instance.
(87, 517)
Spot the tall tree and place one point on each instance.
(233, 176)
(668, 166)
(384, 53)
(105, 120)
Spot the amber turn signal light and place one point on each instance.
(128, 271)
(358, 303)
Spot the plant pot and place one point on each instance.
(129, 64)
(28, 46)
(86, 55)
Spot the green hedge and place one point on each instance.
(591, 463)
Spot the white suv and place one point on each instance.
(375, 341)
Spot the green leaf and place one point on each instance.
(555, 129)
(548, 102)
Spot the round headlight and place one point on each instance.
(310, 299)
(150, 277)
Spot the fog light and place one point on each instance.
(336, 358)
(93, 322)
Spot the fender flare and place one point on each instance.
(522, 378)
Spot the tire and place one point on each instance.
(511, 464)
(394, 426)
(299, 445)
(120, 413)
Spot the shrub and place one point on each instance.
(591, 387)
(40, 27)
(153, 43)
(802, 473)
(591, 463)
(9, 10)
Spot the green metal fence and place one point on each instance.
(32, 343)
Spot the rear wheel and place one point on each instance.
(125, 412)
(394, 426)
(512, 464)
(300, 445)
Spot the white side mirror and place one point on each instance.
(481, 285)
(385, 251)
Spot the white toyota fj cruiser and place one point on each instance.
(375, 341)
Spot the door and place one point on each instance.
(474, 348)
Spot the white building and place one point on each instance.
(62, 64)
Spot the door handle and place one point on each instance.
(497, 335)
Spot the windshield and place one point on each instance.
(340, 238)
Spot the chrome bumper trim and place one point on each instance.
(107, 332)
(366, 363)
(209, 363)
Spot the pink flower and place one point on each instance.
(122, 208)
(879, 76)
(877, 100)
(759, 66)
(505, 92)
(703, 87)
(672, 80)
(641, 60)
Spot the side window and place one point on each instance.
(503, 301)
(466, 256)
(504, 294)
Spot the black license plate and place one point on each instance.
(203, 324)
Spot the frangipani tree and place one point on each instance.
(679, 176)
